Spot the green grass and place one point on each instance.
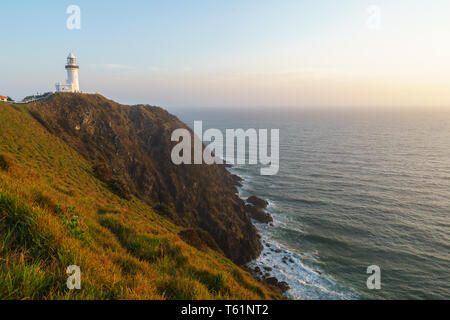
(73, 224)
(27, 249)
(143, 246)
(240, 279)
(55, 212)
(179, 289)
(128, 265)
(18, 222)
(216, 283)
(21, 281)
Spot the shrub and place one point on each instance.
(5, 162)
(75, 230)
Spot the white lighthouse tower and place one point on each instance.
(72, 84)
(72, 72)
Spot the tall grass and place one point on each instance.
(55, 212)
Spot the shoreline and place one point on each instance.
(284, 268)
(262, 273)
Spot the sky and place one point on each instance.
(228, 53)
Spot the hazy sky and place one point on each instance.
(234, 53)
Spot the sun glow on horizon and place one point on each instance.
(257, 53)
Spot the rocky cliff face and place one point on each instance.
(129, 148)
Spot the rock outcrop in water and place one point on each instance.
(284, 286)
(259, 214)
(130, 147)
(258, 202)
(256, 209)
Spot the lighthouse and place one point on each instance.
(72, 72)
(72, 84)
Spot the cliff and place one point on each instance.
(131, 145)
(85, 181)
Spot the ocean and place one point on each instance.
(355, 189)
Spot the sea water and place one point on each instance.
(355, 189)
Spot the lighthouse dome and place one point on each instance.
(71, 61)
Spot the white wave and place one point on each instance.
(306, 282)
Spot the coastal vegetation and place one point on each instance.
(59, 207)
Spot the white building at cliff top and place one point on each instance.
(72, 84)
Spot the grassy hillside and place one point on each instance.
(54, 212)
(130, 148)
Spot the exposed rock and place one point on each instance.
(259, 214)
(257, 270)
(237, 180)
(134, 144)
(272, 281)
(258, 202)
(287, 259)
(277, 250)
(284, 286)
(268, 268)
